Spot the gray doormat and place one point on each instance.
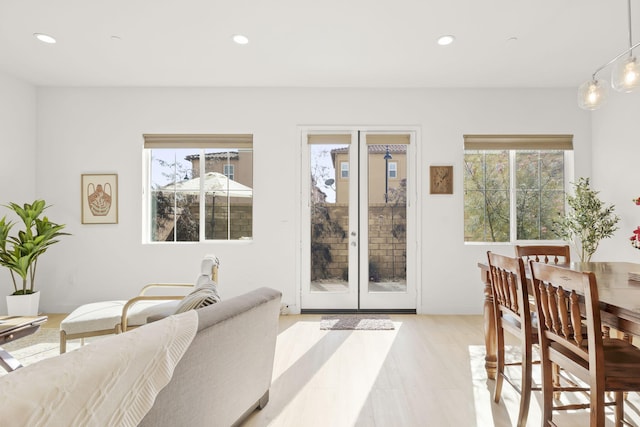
(372, 322)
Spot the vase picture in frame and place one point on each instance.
(99, 200)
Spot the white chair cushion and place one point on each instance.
(106, 315)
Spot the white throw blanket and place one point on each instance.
(111, 382)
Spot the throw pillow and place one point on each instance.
(205, 294)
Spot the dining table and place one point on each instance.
(618, 292)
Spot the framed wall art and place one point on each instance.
(99, 198)
(441, 179)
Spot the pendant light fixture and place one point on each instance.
(625, 76)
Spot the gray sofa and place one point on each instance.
(225, 373)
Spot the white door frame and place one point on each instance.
(365, 302)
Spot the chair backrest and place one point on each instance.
(548, 254)
(208, 270)
(558, 294)
(510, 294)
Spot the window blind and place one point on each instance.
(198, 140)
(518, 142)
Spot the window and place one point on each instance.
(228, 171)
(194, 191)
(393, 169)
(514, 186)
(344, 170)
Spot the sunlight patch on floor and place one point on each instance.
(505, 413)
(316, 369)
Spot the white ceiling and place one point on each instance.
(312, 43)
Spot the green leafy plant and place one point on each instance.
(587, 222)
(20, 253)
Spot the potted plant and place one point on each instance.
(587, 222)
(20, 253)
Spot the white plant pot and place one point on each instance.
(23, 305)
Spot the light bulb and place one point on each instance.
(630, 75)
(240, 39)
(45, 38)
(592, 94)
(445, 40)
(625, 76)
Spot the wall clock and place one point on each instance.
(441, 178)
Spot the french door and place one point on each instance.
(359, 234)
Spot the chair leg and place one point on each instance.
(497, 390)
(525, 383)
(619, 397)
(63, 342)
(547, 393)
(596, 407)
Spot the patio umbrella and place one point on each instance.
(214, 183)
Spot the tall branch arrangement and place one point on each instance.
(587, 221)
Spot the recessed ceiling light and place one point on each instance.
(45, 38)
(445, 40)
(240, 39)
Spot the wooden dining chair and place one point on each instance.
(603, 363)
(549, 254)
(512, 314)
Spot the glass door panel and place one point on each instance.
(329, 212)
(386, 221)
(330, 256)
(387, 218)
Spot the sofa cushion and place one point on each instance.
(205, 294)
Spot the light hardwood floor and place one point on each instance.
(429, 371)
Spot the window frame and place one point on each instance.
(513, 144)
(200, 143)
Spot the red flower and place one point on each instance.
(635, 239)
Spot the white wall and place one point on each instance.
(17, 140)
(94, 130)
(17, 153)
(616, 170)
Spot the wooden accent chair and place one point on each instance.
(114, 317)
(605, 364)
(549, 254)
(512, 314)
